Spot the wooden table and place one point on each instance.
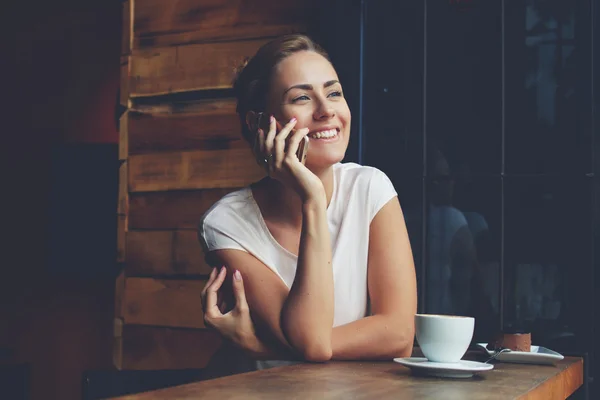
(383, 380)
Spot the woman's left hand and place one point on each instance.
(279, 148)
(236, 325)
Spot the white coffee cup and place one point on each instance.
(444, 338)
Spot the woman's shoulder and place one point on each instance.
(354, 169)
(234, 205)
(356, 174)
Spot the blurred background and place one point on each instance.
(482, 113)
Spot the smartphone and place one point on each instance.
(302, 150)
(262, 122)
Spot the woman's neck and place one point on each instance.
(282, 204)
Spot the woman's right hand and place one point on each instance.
(279, 152)
(236, 325)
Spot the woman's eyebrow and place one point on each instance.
(306, 86)
(303, 86)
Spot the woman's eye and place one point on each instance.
(301, 98)
(337, 93)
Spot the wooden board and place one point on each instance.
(155, 348)
(206, 125)
(117, 350)
(119, 290)
(202, 169)
(171, 210)
(185, 68)
(121, 235)
(124, 84)
(123, 195)
(164, 253)
(127, 27)
(165, 23)
(124, 136)
(163, 302)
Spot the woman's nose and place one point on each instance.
(324, 111)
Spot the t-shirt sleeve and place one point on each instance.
(212, 236)
(381, 190)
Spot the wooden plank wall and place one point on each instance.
(180, 151)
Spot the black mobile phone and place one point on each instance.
(262, 122)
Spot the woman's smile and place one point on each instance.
(325, 135)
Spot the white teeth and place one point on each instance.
(325, 134)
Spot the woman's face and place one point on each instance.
(306, 86)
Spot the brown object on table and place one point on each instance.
(383, 380)
(515, 341)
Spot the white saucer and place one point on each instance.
(537, 355)
(461, 369)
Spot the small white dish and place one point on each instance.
(461, 369)
(537, 355)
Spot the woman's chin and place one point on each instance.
(323, 161)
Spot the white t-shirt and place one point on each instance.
(359, 192)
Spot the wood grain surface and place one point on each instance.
(123, 194)
(383, 380)
(190, 67)
(172, 209)
(164, 253)
(121, 237)
(163, 302)
(124, 81)
(202, 169)
(124, 136)
(202, 125)
(160, 23)
(156, 348)
(127, 27)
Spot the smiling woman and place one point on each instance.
(314, 261)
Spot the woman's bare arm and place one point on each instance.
(299, 319)
(388, 333)
(307, 314)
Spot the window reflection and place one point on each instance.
(549, 37)
(462, 276)
(451, 247)
(545, 52)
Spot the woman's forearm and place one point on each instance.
(307, 314)
(376, 337)
(370, 338)
(259, 350)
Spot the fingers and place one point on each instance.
(238, 291)
(294, 143)
(221, 303)
(213, 275)
(211, 278)
(280, 143)
(212, 307)
(269, 139)
(274, 145)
